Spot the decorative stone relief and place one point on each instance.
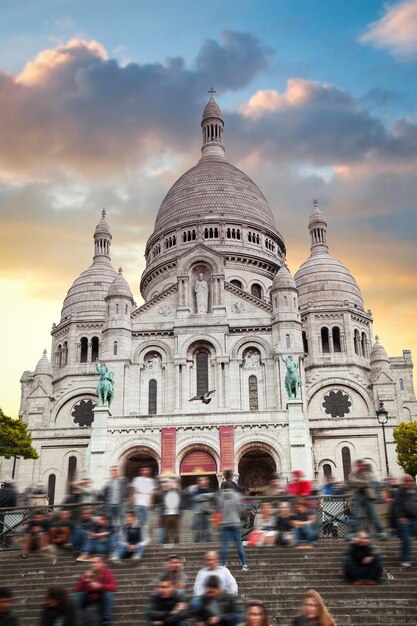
(238, 307)
(83, 413)
(336, 403)
(153, 362)
(252, 359)
(164, 310)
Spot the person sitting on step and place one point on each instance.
(36, 537)
(313, 611)
(96, 587)
(175, 572)
(101, 539)
(361, 564)
(217, 607)
(304, 523)
(61, 529)
(131, 545)
(7, 617)
(167, 606)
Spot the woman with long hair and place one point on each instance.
(256, 614)
(313, 611)
(58, 609)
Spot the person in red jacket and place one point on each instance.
(299, 486)
(97, 586)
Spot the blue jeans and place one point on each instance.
(101, 546)
(228, 534)
(306, 534)
(115, 514)
(79, 539)
(123, 552)
(354, 571)
(104, 604)
(361, 504)
(142, 514)
(407, 531)
(201, 526)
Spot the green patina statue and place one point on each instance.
(105, 386)
(292, 377)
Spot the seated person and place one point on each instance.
(96, 587)
(299, 486)
(167, 606)
(101, 539)
(36, 535)
(217, 606)
(361, 565)
(175, 572)
(212, 568)
(303, 521)
(7, 617)
(60, 529)
(82, 530)
(57, 609)
(284, 526)
(131, 544)
(264, 527)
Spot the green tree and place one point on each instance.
(15, 440)
(405, 436)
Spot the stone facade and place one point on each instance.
(220, 312)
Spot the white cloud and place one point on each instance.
(396, 30)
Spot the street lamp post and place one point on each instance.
(382, 416)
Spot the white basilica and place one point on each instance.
(221, 312)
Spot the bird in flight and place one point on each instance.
(205, 398)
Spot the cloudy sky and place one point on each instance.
(100, 106)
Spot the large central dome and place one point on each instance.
(214, 187)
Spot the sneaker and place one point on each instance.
(245, 568)
(53, 554)
(403, 564)
(83, 557)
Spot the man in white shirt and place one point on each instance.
(212, 568)
(143, 487)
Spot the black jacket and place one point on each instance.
(9, 620)
(406, 501)
(160, 609)
(8, 497)
(49, 615)
(228, 609)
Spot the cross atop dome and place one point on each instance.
(212, 91)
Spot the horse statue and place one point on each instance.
(105, 386)
(292, 377)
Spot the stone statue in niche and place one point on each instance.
(201, 290)
(153, 363)
(252, 359)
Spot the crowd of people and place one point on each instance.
(114, 525)
(214, 600)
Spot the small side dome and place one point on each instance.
(283, 279)
(43, 368)
(120, 287)
(379, 357)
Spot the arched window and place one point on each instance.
(72, 468)
(325, 347)
(126, 309)
(59, 355)
(253, 393)
(84, 350)
(287, 341)
(115, 348)
(357, 342)
(364, 343)
(346, 463)
(117, 309)
(236, 283)
(285, 301)
(94, 349)
(401, 384)
(327, 470)
(336, 339)
(256, 290)
(305, 342)
(51, 488)
(64, 353)
(152, 397)
(202, 371)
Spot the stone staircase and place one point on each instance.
(278, 576)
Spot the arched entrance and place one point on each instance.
(137, 458)
(256, 467)
(198, 463)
